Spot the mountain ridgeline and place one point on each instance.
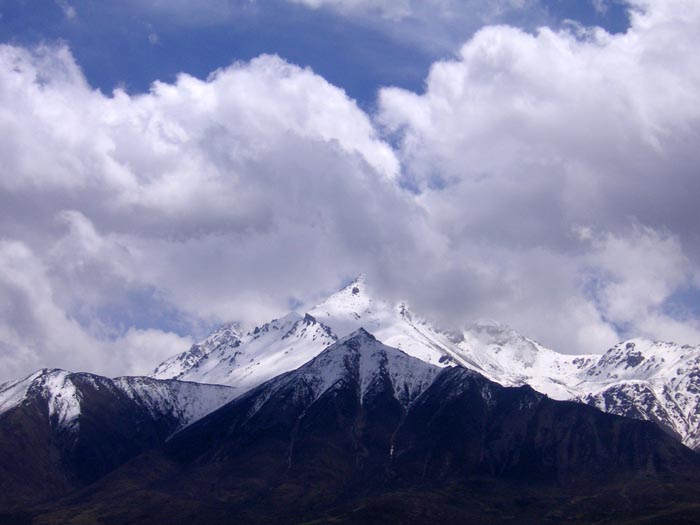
(647, 380)
(360, 412)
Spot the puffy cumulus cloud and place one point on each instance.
(526, 140)
(547, 180)
(633, 278)
(36, 332)
(141, 217)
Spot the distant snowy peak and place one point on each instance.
(507, 357)
(64, 394)
(283, 324)
(343, 309)
(264, 352)
(222, 340)
(642, 358)
(359, 306)
(652, 380)
(496, 351)
(490, 348)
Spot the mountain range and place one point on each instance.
(360, 411)
(638, 378)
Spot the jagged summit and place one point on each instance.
(221, 341)
(262, 353)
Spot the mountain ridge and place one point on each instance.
(334, 437)
(670, 398)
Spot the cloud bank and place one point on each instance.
(547, 180)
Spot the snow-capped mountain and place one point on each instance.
(496, 351)
(356, 424)
(246, 360)
(357, 306)
(361, 422)
(379, 395)
(638, 378)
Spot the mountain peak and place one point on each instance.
(360, 280)
(362, 360)
(351, 296)
(360, 336)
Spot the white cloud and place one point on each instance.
(601, 6)
(35, 332)
(69, 11)
(216, 198)
(556, 177)
(400, 9)
(393, 10)
(524, 138)
(433, 26)
(639, 273)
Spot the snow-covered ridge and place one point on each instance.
(184, 400)
(261, 354)
(221, 341)
(64, 394)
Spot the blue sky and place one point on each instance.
(123, 44)
(172, 165)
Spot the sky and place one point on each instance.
(169, 166)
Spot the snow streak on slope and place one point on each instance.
(55, 386)
(183, 400)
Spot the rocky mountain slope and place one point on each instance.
(61, 430)
(362, 424)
